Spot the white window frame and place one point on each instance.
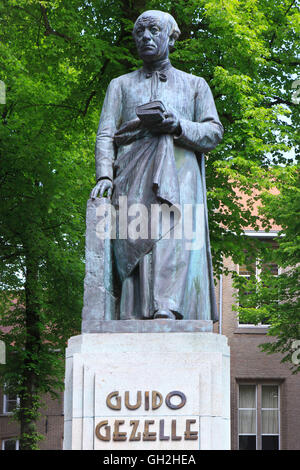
(258, 439)
(6, 401)
(10, 439)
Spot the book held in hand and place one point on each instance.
(151, 113)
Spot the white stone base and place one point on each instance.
(196, 364)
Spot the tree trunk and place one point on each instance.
(29, 397)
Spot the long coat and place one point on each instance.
(162, 273)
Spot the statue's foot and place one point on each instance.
(167, 314)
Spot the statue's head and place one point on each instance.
(155, 33)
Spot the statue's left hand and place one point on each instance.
(170, 125)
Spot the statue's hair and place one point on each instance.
(174, 31)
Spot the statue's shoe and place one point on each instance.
(167, 314)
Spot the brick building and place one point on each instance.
(265, 395)
(50, 424)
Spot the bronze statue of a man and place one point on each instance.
(156, 124)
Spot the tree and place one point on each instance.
(275, 300)
(57, 58)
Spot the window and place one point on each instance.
(247, 417)
(258, 417)
(10, 444)
(10, 403)
(270, 417)
(247, 271)
(253, 269)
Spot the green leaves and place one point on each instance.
(277, 298)
(57, 58)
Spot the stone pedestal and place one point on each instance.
(178, 383)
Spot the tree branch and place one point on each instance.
(88, 102)
(26, 11)
(275, 32)
(49, 30)
(50, 104)
(279, 61)
(278, 100)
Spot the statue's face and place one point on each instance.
(151, 34)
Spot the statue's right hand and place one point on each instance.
(102, 185)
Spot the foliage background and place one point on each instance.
(57, 58)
